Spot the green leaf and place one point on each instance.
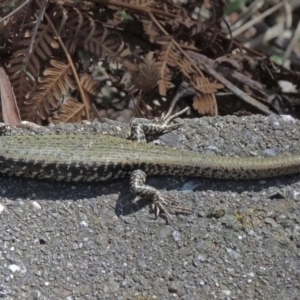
(125, 16)
(234, 6)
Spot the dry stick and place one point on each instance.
(256, 19)
(86, 104)
(34, 33)
(15, 11)
(254, 85)
(245, 97)
(292, 44)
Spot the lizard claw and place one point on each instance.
(163, 204)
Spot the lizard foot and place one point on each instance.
(160, 203)
(141, 127)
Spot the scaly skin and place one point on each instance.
(103, 157)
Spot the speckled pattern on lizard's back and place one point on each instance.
(78, 157)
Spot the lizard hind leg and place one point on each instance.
(160, 203)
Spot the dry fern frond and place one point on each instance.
(150, 29)
(230, 62)
(72, 22)
(186, 67)
(42, 49)
(203, 85)
(80, 30)
(91, 88)
(105, 45)
(168, 57)
(89, 84)
(24, 67)
(142, 45)
(55, 83)
(238, 61)
(205, 104)
(148, 75)
(165, 82)
(74, 25)
(70, 111)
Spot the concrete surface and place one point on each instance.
(87, 241)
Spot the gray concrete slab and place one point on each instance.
(87, 241)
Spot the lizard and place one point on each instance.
(86, 158)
